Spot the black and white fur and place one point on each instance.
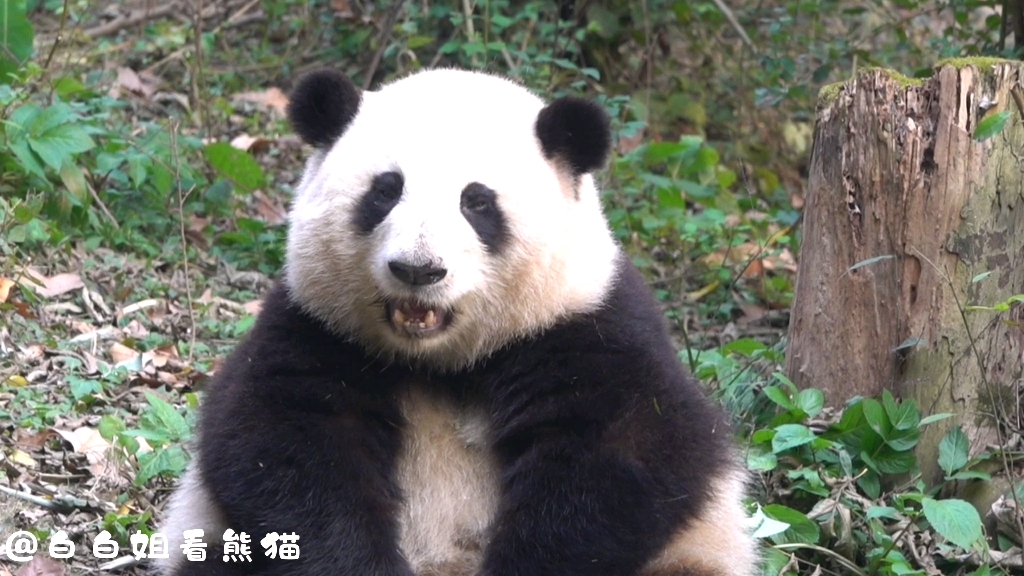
(460, 374)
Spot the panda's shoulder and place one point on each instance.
(288, 345)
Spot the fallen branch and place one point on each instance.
(131, 19)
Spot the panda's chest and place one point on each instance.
(449, 480)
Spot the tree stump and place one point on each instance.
(905, 209)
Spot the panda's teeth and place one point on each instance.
(399, 316)
(430, 320)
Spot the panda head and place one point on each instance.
(446, 214)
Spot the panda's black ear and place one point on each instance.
(322, 105)
(575, 131)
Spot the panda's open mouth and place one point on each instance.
(414, 318)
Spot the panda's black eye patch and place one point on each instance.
(375, 205)
(479, 205)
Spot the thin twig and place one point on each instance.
(735, 23)
(182, 196)
(103, 207)
(382, 44)
(830, 553)
(57, 38)
(59, 503)
(198, 79)
(135, 17)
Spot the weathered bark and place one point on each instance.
(896, 173)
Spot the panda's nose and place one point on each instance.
(417, 275)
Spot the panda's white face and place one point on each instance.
(435, 229)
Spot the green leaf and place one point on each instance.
(80, 387)
(418, 42)
(882, 512)
(790, 436)
(991, 126)
(954, 451)
(956, 520)
(876, 417)
(110, 426)
(74, 180)
(761, 461)
(811, 401)
(870, 261)
(235, 165)
(765, 526)
(58, 144)
(779, 396)
(801, 528)
(16, 37)
(935, 418)
(970, 475)
(885, 460)
(170, 461)
(980, 277)
(911, 342)
(870, 484)
(169, 417)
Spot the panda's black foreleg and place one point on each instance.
(317, 466)
(572, 508)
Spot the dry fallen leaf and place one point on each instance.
(270, 210)
(252, 144)
(121, 353)
(627, 145)
(20, 457)
(5, 289)
(141, 83)
(42, 565)
(89, 442)
(253, 306)
(164, 354)
(52, 286)
(272, 99)
(31, 441)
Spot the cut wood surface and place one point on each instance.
(909, 221)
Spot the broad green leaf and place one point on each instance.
(170, 461)
(16, 37)
(876, 417)
(991, 126)
(766, 527)
(74, 180)
(235, 165)
(956, 520)
(882, 512)
(885, 460)
(169, 417)
(903, 440)
(980, 277)
(777, 395)
(790, 436)
(58, 144)
(801, 528)
(745, 346)
(811, 401)
(954, 451)
(761, 461)
(870, 484)
(970, 475)
(110, 426)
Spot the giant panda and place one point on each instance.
(460, 373)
